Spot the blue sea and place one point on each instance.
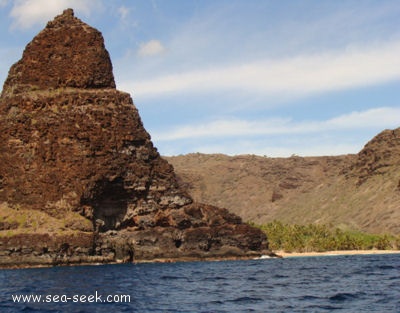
(358, 283)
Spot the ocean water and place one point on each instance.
(363, 283)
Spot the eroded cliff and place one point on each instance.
(80, 180)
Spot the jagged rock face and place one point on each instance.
(82, 150)
(378, 155)
(67, 53)
(70, 143)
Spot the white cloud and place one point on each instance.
(343, 134)
(295, 76)
(27, 13)
(285, 150)
(123, 12)
(378, 117)
(3, 3)
(383, 117)
(151, 48)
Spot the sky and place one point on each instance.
(273, 78)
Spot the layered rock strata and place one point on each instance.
(80, 180)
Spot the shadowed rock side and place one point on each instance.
(358, 192)
(80, 180)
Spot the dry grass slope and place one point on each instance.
(357, 192)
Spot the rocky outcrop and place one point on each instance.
(81, 172)
(67, 53)
(378, 156)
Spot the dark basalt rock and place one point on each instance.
(73, 150)
(67, 53)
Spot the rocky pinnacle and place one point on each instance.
(76, 160)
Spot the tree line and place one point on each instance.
(320, 238)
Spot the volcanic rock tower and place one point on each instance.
(80, 180)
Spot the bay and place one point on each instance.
(355, 283)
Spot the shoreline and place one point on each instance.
(275, 254)
(137, 261)
(334, 253)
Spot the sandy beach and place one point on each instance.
(333, 253)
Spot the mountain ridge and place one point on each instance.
(355, 191)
